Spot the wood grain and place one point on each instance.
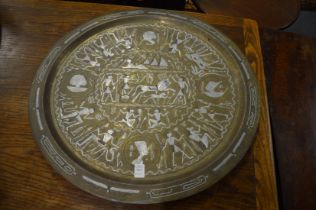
(291, 74)
(268, 13)
(264, 162)
(28, 30)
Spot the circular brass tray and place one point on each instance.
(144, 106)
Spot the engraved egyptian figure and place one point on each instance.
(131, 65)
(99, 146)
(207, 114)
(200, 112)
(180, 97)
(108, 136)
(208, 111)
(126, 90)
(108, 86)
(196, 135)
(149, 37)
(155, 121)
(142, 151)
(167, 153)
(172, 154)
(173, 45)
(129, 118)
(83, 112)
(217, 116)
(125, 42)
(140, 119)
(107, 52)
(76, 117)
(154, 97)
(159, 91)
(197, 59)
(89, 58)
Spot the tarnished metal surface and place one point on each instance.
(144, 106)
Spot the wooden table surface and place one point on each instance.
(290, 61)
(28, 31)
(268, 13)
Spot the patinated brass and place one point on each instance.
(144, 106)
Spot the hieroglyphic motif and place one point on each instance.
(143, 98)
(57, 158)
(173, 190)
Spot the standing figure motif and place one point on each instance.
(126, 88)
(140, 118)
(171, 154)
(108, 87)
(180, 97)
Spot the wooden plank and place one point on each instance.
(291, 74)
(268, 13)
(93, 10)
(263, 152)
